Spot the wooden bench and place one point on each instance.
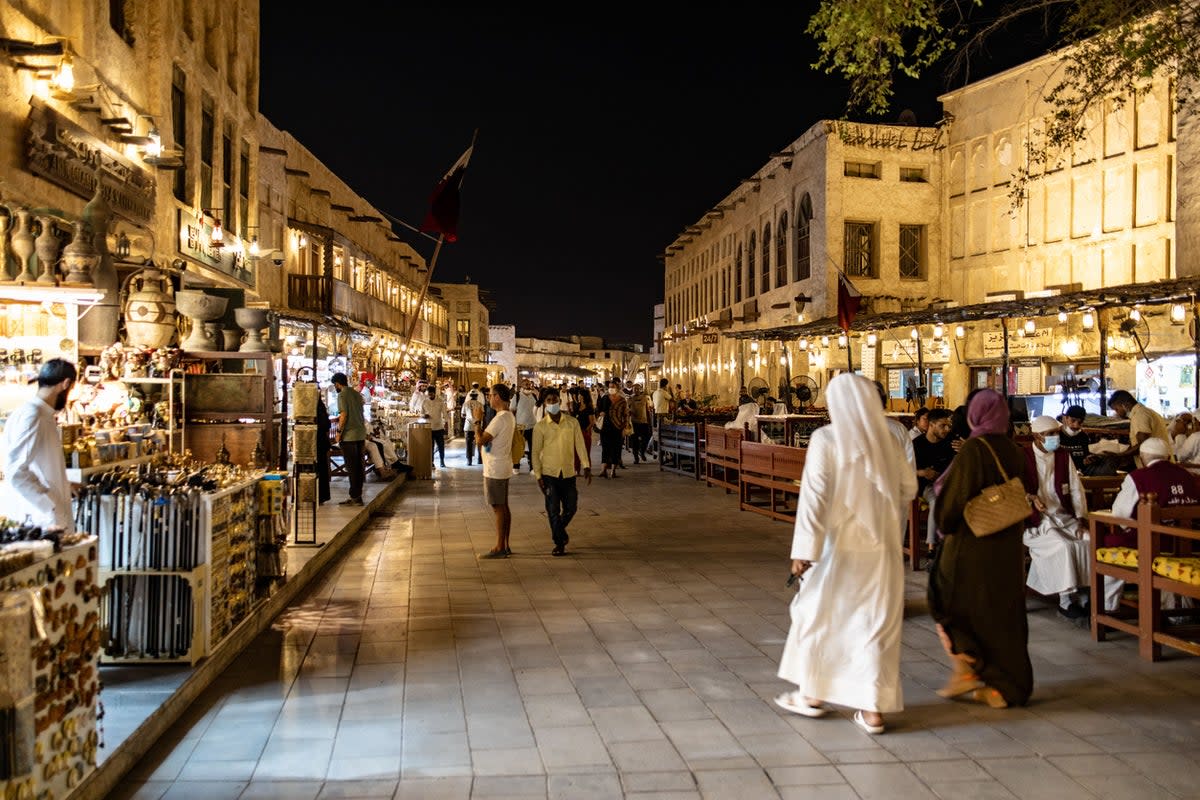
(722, 456)
(1101, 490)
(773, 469)
(1160, 531)
(679, 448)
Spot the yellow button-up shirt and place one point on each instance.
(555, 445)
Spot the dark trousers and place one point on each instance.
(470, 434)
(528, 432)
(352, 454)
(640, 439)
(562, 498)
(439, 445)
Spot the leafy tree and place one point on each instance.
(1112, 48)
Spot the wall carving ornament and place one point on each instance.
(70, 157)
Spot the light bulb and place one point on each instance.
(1062, 316)
(1089, 320)
(938, 330)
(842, 340)
(254, 250)
(872, 339)
(916, 334)
(1030, 327)
(824, 341)
(1178, 313)
(64, 79)
(802, 344)
(783, 361)
(1135, 315)
(153, 148)
(754, 347)
(960, 332)
(218, 233)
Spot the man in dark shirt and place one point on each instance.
(933, 451)
(1076, 442)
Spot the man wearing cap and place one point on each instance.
(1073, 440)
(1144, 424)
(31, 448)
(1056, 533)
(1174, 486)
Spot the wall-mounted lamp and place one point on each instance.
(872, 339)
(1088, 321)
(122, 245)
(1062, 315)
(939, 331)
(842, 341)
(753, 347)
(64, 78)
(1030, 327)
(824, 341)
(960, 332)
(1178, 314)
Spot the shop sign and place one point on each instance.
(68, 156)
(196, 243)
(904, 351)
(710, 338)
(1038, 343)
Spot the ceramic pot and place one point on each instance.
(22, 247)
(46, 247)
(79, 257)
(149, 310)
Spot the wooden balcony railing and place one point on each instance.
(310, 293)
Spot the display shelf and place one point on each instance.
(175, 636)
(77, 474)
(161, 381)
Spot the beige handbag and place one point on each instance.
(997, 507)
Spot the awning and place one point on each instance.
(1174, 290)
(574, 372)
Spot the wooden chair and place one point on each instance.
(722, 457)
(773, 469)
(914, 535)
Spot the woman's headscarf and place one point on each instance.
(987, 413)
(870, 456)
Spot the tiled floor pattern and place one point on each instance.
(642, 666)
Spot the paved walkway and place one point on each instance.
(642, 666)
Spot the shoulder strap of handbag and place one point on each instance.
(995, 458)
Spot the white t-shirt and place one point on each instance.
(662, 401)
(436, 413)
(497, 454)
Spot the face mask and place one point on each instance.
(553, 408)
(1050, 443)
(612, 390)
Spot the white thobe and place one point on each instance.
(35, 470)
(1058, 546)
(843, 646)
(1187, 449)
(745, 416)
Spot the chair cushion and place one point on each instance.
(1184, 570)
(1119, 556)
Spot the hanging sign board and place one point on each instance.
(904, 351)
(710, 338)
(1038, 343)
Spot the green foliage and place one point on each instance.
(870, 41)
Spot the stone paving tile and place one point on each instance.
(644, 666)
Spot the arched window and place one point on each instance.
(766, 256)
(804, 215)
(781, 254)
(750, 265)
(737, 276)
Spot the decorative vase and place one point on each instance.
(252, 321)
(98, 327)
(79, 257)
(202, 309)
(22, 247)
(5, 224)
(231, 339)
(46, 247)
(149, 309)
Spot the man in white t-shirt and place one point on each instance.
(433, 408)
(496, 451)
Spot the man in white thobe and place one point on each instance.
(843, 646)
(1058, 539)
(35, 470)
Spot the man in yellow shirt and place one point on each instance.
(1144, 423)
(557, 440)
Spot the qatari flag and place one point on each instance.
(849, 300)
(442, 217)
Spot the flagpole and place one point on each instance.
(437, 249)
(849, 352)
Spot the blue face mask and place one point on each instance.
(553, 408)
(1050, 443)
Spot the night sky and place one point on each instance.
(599, 139)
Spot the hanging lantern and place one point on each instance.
(960, 332)
(1088, 321)
(1030, 327)
(938, 331)
(1178, 313)
(915, 334)
(872, 339)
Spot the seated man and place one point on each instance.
(1173, 485)
(920, 423)
(1186, 439)
(1056, 533)
(1075, 441)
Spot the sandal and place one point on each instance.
(990, 697)
(861, 722)
(795, 703)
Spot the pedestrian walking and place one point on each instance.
(615, 413)
(496, 443)
(585, 414)
(639, 415)
(977, 584)
(434, 410)
(557, 447)
(472, 412)
(843, 646)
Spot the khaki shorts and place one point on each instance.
(495, 491)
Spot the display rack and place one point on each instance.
(231, 518)
(176, 405)
(53, 734)
(232, 409)
(305, 452)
